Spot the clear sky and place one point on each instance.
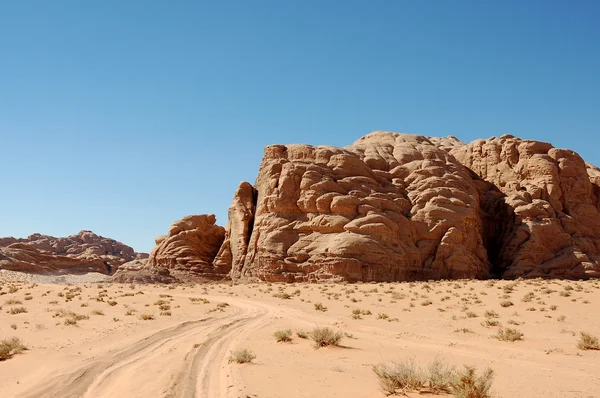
(122, 116)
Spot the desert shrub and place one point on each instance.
(302, 334)
(588, 342)
(490, 322)
(439, 376)
(436, 378)
(11, 347)
(463, 330)
(508, 334)
(283, 336)
(242, 355)
(506, 303)
(324, 337)
(199, 300)
(399, 376)
(18, 310)
(468, 385)
(320, 307)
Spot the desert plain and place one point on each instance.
(89, 338)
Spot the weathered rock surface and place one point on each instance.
(389, 207)
(187, 252)
(552, 196)
(232, 253)
(84, 252)
(394, 207)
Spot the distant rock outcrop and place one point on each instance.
(397, 207)
(84, 252)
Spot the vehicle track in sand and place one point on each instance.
(187, 360)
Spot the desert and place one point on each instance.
(101, 339)
(299, 199)
(399, 265)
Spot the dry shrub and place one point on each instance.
(283, 336)
(324, 337)
(468, 385)
(243, 355)
(508, 334)
(588, 342)
(437, 377)
(10, 347)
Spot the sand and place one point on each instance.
(184, 350)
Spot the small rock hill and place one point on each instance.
(81, 253)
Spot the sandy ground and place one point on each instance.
(183, 350)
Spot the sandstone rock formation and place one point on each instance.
(395, 207)
(186, 252)
(552, 196)
(84, 252)
(389, 207)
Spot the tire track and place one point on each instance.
(161, 361)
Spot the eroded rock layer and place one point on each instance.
(397, 207)
(81, 253)
(189, 248)
(553, 195)
(389, 207)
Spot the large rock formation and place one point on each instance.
(84, 252)
(396, 207)
(553, 197)
(187, 252)
(389, 207)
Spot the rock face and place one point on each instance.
(389, 207)
(187, 252)
(552, 196)
(232, 254)
(397, 207)
(84, 252)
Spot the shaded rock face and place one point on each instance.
(553, 197)
(232, 254)
(81, 253)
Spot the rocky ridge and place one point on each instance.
(394, 207)
(76, 254)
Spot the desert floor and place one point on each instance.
(90, 339)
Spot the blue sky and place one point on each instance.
(123, 116)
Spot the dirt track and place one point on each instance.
(189, 359)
